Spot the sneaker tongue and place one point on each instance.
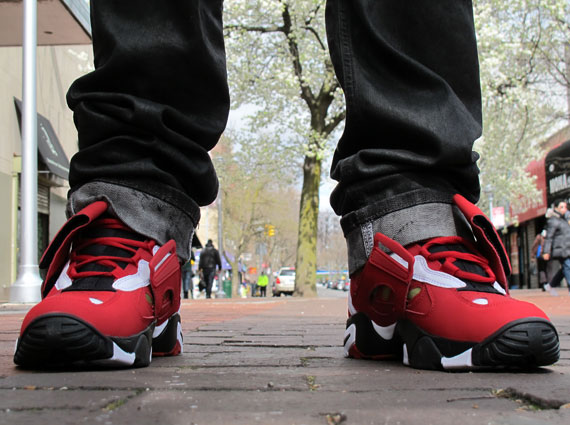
(466, 266)
(102, 283)
(461, 264)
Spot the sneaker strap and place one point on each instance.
(488, 240)
(397, 274)
(57, 253)
(165, 278)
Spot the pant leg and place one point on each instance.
(557, 278)
(409, 71)
(566, 271)
(147, 116)
(209, 277)
(186, 278)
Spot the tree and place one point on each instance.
(279, 61)
(521, 49)
(251, 178)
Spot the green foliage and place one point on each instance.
(521, 50)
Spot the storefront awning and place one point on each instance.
(60, 22)
(49, 147)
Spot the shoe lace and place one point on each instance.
(460, 258)
(90, 256)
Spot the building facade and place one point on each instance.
(63, 54)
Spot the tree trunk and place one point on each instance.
(306, 264)
(235, 276)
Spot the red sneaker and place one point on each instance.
(444, 304)
(110, 296)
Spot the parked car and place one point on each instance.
(284, 282)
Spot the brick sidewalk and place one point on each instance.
(279, 361)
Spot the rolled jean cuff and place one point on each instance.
(144, 213)
(406, 225)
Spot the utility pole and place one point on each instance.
(26, 288)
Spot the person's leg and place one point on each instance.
(209, 276)
(407, 180)
(566, 271)
(410, 76)
(557, 278)
(186, 276)
(146, 117)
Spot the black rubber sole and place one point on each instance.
(55, 340)
(165, 342)
(522, 344)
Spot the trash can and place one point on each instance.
(227, 285)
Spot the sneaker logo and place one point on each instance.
(63, 281)
(499, 288)
(422, 273)
(95, 301)
(135, 281)
(481, 301)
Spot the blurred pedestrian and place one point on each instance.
(209, 262)
(557, 239)
(187, 275)
(262, 282)
(536, 249)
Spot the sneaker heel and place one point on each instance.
(167, 338)
(363, 339)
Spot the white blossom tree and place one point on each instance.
(524, 86)
(279, 61)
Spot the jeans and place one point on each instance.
(566, 270)
(158, 101)
(209, 275)
(187, 286)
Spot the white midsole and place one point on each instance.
(351, 333)
(119, 358)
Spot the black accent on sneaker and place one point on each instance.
(522, 344)
(368, 342)
(525, 343)
(99, 229)
(166, 341)
(56, 340)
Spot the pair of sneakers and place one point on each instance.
(112, 297)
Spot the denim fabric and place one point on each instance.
(410, 74)
(566, 270)
(158, 101)
(144, 213)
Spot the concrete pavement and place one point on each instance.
(280, 361)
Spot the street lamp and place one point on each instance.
(26, 289)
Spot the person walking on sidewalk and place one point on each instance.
(262, 282)
(557, 239)
(208, 265)
(536, 252)
(428, 270)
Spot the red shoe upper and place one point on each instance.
(104, 274)
(447, 286)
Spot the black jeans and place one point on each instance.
(209, 275)
(158, 101)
